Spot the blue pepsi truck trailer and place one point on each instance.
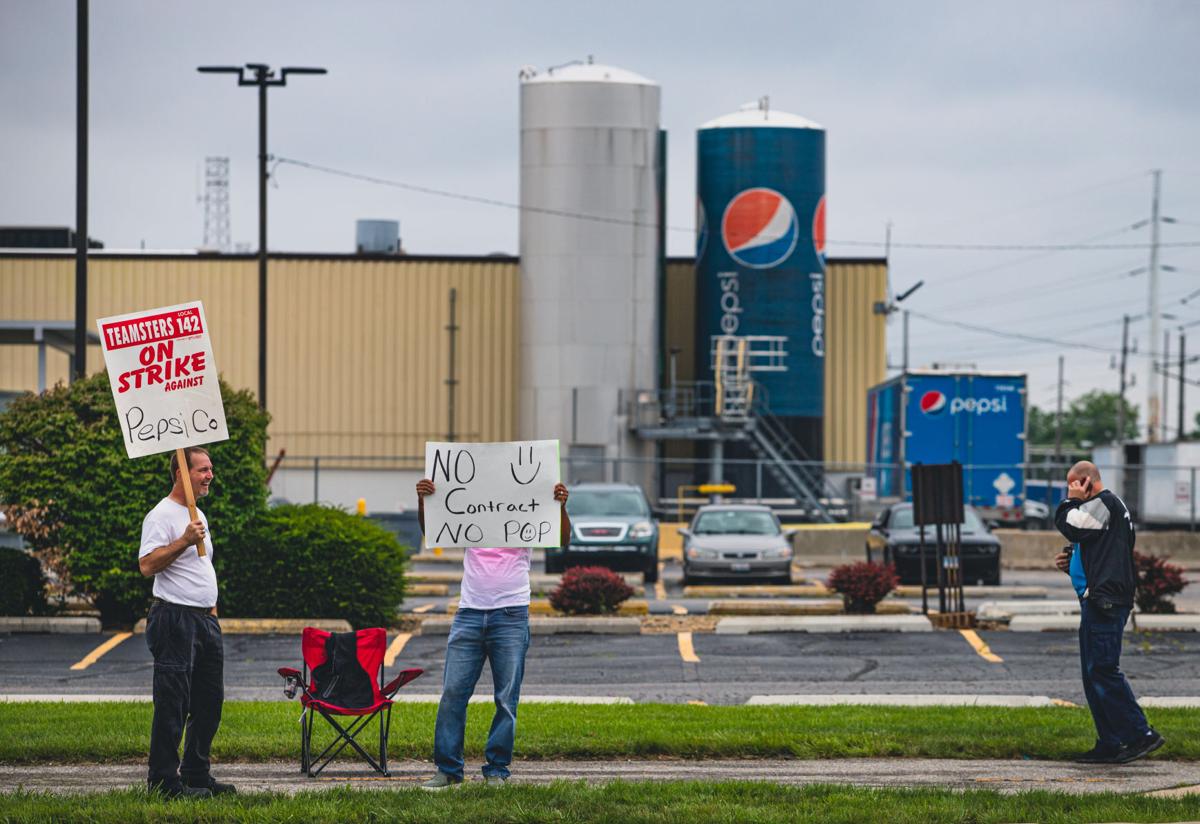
(933, 417)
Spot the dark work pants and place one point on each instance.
(189, 664)
(1118, 718)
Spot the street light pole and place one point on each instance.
(262, 76)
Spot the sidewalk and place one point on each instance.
(1156, 776)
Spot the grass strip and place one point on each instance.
(261, 730)
(617, 801)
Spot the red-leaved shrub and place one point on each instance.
(589, 591)
(1156, 582)
(863, 585)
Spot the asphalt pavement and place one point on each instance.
(716, 669)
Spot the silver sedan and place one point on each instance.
(736, 540)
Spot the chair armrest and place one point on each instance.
(286, 671)
(400, 680)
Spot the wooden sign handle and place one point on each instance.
(186, 474)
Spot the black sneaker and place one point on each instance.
(1099, 754)
(173, 791)
(211, 784)
(1148, 743)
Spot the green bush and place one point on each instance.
(313, 561)
(22, 584)
(63, 461)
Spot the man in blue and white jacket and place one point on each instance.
(1100, 563)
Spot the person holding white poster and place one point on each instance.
(492, 624)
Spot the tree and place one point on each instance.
(79, 501)
(1091, 417)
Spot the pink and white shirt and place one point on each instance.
(495, 577)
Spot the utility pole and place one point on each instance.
(1058, 415)
(904, 366)
(1121, 394)
(452, 381)
(1153, 408)
(1182, 364)
(262, 76)
(81, 188)
(1166, 365)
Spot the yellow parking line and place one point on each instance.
(679, 609)
(95, 655)
(660, 590)
(424, 608)
(686, 651)
(980, 647)
(394, 648)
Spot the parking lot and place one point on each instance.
(726, 670)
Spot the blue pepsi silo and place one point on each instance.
(760, 256)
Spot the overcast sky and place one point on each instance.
(961, 122)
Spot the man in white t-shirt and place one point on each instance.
(492, 624)
(184, 637)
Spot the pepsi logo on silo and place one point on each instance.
(759, 228)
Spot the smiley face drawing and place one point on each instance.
(525, 465)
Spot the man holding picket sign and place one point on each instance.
(164, 383)
(507, 495)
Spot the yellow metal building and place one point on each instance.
(357, 345)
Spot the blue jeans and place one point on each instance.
(500, 636)
(1118, 718)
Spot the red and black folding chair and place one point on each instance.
(338, 679)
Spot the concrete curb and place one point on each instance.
(541, 606)
(780, 590)
(1070, 623)
(52, 625)
(778, 607)
(900, 700)
(1007, 610)
(484, 698)
(824, 623)
(907, 591)
(554, 625)
(1187, 701)
(270, 626)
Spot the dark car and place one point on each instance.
(894, 539)
(404, 525)
(611, 526)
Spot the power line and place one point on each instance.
(505, 204)
(1011, 335)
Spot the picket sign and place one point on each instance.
(164, 383)
(492, 494)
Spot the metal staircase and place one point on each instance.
(740, 400)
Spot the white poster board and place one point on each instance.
(164, 379)
(492, 494)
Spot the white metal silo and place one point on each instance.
(590, 253)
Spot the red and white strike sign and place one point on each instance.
(164, 382)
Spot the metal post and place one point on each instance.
(716, 470)
(904, 360)
(1058, 414)
(81, 188)
(1153, 418)
(452, 381)
(316, 479)
(1166, 364)
(261, 76)
(1121, 394)
(758, 467)
(1179, 436)
(1192, 495)
(40, 336)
